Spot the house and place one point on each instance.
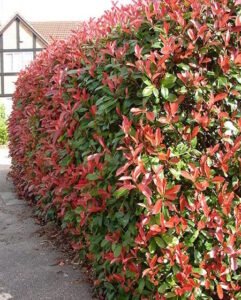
(20, 42)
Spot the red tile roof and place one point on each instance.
(58, 30)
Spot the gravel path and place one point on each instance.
(28, 269)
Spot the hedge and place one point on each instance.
(128, 134)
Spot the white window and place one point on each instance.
(16, 61)
(8, 62)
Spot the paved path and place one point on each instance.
(27, 263)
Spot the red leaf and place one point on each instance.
(186, 175)
(212, 150)
(155, 229)
(173, 190)
(56, 135)
(123, 169)
(219, 234)
(181, 277)
(205, 207)
(164, 156)
(237, 60)
(234, 265)
(201, 225)
(137, 111)
(191, 34)
(146, 191)
(146, 272)
(127, 187)
(153, 261)
(220, 97)
(174, 108)
(163, 120)
(202, 186)
(183, 202)
(138, 51)
(207, 170)
(126, 125)
(119, 277)
(157, 207)
(195, 132)
(150, 116)
(236, 29)
(219, 291)
(218, 179)
(166, 26)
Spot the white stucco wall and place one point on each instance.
(26, 37)
(9, 84)
(10, 37)
(39, 44)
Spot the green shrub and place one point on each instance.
(129, 133)
(3, 126)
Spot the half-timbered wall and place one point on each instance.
(18, 47)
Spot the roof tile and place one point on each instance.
(55, 30)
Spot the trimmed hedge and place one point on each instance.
(128, 133)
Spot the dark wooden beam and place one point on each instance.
(34, 45)
(6, 95)
(21, 50)
(2, 64)
(18, 33)
(9, 74)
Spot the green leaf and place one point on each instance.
(164, 92)
(199, 271)
(160, 242)
(146, 81)
(117, 250)
(92, 176)
(156, 93)
(222, 81)
(184, 67)
(170, 295)
(152, 246)
(171, 97)
(70, 72)
(104, 243)
(168, 81)
(147, 91)
(163, 287)
(170, 239)
(194, 142)
(141, 285)
(194, 237)
(120, 193)
(175, 173)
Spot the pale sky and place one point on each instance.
(54, 10)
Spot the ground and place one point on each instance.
(31, 268)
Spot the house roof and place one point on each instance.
(58, 30)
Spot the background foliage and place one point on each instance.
(3, 126)
(129, 134)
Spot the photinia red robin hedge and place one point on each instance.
(128, 134)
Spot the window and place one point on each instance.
(8, 62)
(16, 61)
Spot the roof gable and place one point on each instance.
(18, 17)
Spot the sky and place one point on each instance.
(54, 10)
